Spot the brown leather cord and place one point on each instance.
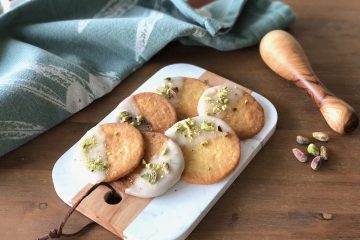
(57, 233)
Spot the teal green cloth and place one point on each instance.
(57, 56)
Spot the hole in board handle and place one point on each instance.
(112, 198)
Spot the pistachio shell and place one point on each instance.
(321, 136)
(323, 153)
(302, 140)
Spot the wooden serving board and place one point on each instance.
(175, 214)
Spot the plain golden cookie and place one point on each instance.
(156, 110)
(124, 149)
(211, 163)
(188, 97)
(246, 118)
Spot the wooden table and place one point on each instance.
(276, 197)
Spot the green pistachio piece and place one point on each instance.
(89, 143)
(313, 150)
(150, 176)
(204, 143)
(124, 114)
(137, 121)
(207, 126)
(221, 102)
(223, 93)
(157, 170)
(188, 128)
(96, 165)
(167, 91)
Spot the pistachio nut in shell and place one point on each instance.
(316, 163)
(300, 155)
(323, 153)
(321, 136)
(302, 140)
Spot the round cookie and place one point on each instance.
(235, 106)
(147, 111)
(210, 147)
(161, 168)
(183, 93)
(108, 152)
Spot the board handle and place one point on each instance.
(284, 55)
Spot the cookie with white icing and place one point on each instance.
(108, 152)
(147, 111)
(210, 147)
(161, 168)
(235, 106)
(183, 93)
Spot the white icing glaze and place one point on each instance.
(203, 135)
(144, 189)
(80, 158)
(129, 105)
(177, 82)
(205, 108)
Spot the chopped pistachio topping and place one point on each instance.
(137, 121)
(125, 116)
(221, 102)
(167, 90)
(203, 143)
(188, 128)
(207, 126)
(89, 143)
(96, 164)
(156, 170)
(151, 176)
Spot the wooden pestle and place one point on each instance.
(284, 55)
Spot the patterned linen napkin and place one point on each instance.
(58, 56)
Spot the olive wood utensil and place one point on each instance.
(284, 55)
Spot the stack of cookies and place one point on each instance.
(186, 129)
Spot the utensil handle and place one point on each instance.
(284, 55)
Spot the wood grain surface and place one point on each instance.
(276, 197)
